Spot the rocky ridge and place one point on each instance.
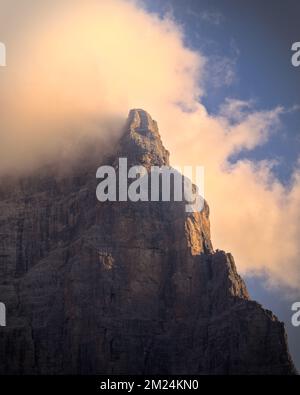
(123, 287)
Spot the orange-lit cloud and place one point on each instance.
(75, 69)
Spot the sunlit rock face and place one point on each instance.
(123, 287)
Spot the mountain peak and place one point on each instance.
(140, 121)
(141, 143)
(124, 287)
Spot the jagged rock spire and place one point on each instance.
(141, 122)
(141, 142)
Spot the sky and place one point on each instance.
(217, 77)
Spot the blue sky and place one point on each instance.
(248, 45)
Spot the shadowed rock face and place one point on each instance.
(122, 287)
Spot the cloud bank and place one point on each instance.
(75, 69)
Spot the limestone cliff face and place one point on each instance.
(123, 287)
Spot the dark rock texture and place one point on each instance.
(123, 287)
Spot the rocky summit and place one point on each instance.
(123, 287)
